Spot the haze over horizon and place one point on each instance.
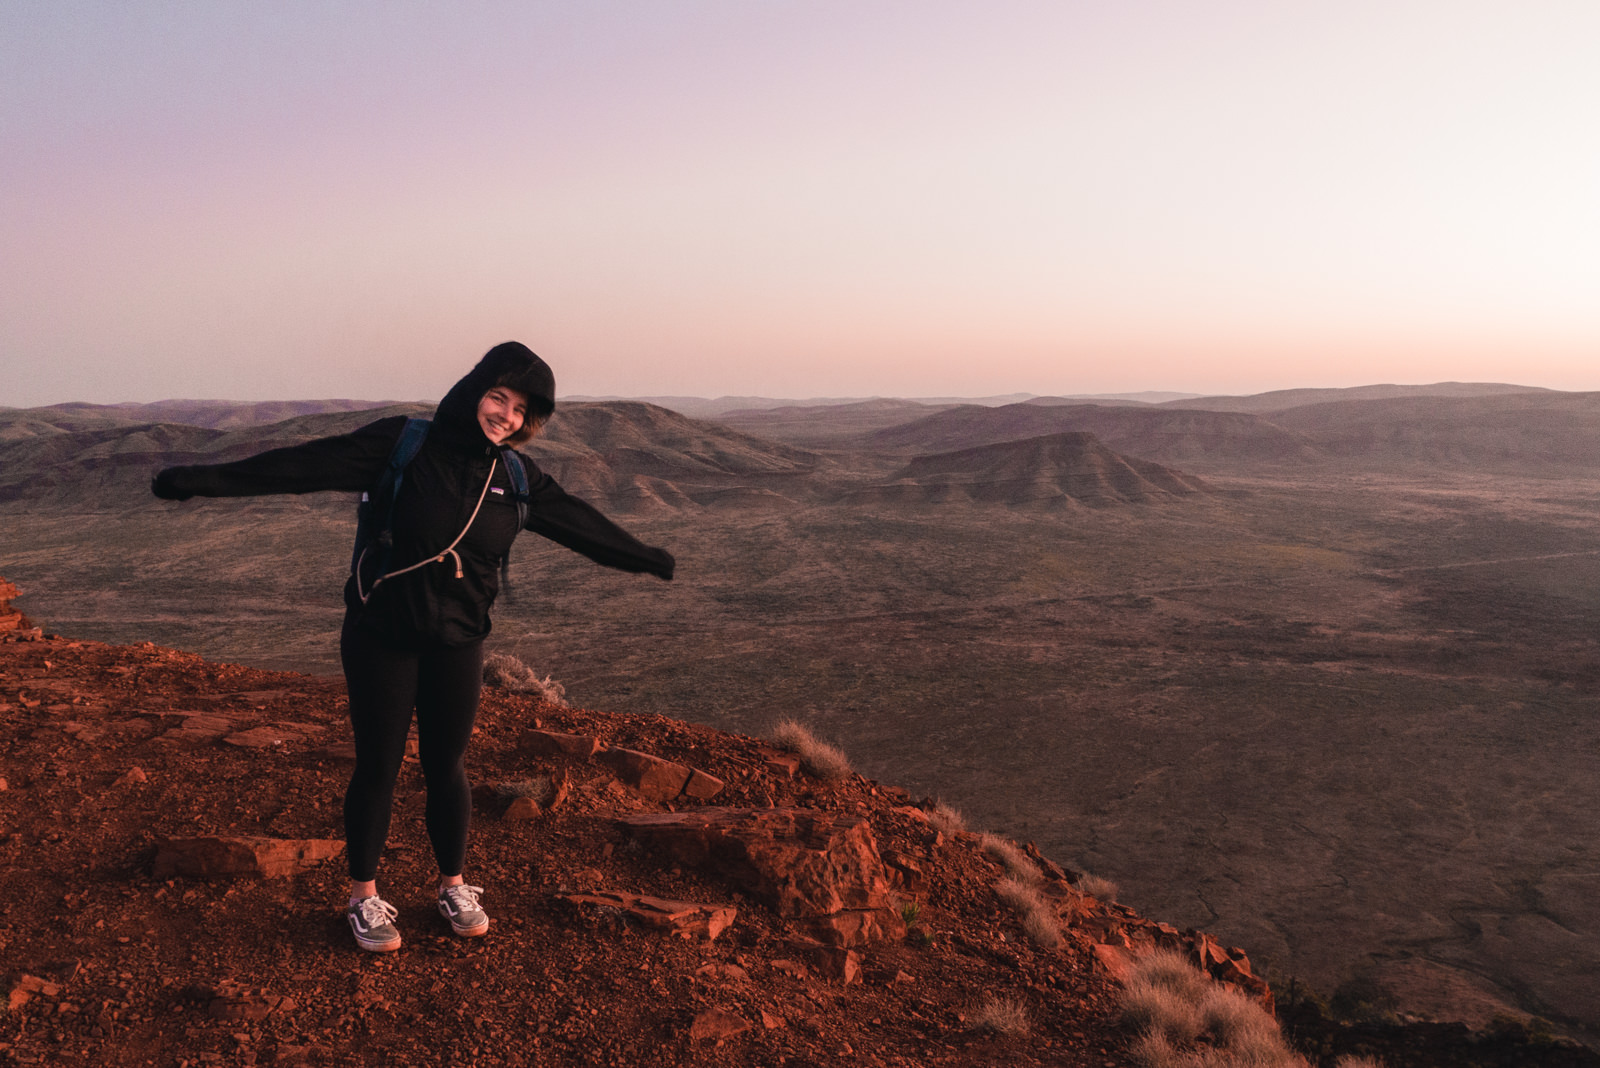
(784, 200)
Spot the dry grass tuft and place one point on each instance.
(1188, 1021)
(818, 758)
(946, 819)
(1235, 1022)
(1014, 860)
(1352, 1061)
(506, 672)
(1042, 928)
(1003, 1016)
(541, 788)
(1038, 919)
(1096, 887)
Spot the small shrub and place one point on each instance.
(911, 914)
(506, 672)
(1237, 1023)
(1154, 1050)
(1188, 1021)
(1350, 1060)
(818, 758)
(1014, 860)
(1155, 1009)
(1041, 927)
(1037, 918)
(1003, 1016)
(1019, 895)
(947, 819)
(1096, 887)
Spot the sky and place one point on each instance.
(796, 199)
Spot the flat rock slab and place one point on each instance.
(263, 737)
(805, 864)
(686, 919)
(555, 745)
(717, 1025)
(222, 856)
(651, 776)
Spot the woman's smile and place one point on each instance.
(501, 413)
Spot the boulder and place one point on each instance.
(836, 962)
(223, 856)
(657, 779)
(556, 746)
(716, 1025)
(522, 808)
(805, 864)
(132, 777)
(28, 987)
(702, 786)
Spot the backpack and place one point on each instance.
(375, 513)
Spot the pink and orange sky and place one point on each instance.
(827, 198)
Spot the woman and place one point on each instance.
(417, 602)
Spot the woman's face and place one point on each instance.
(501, 413)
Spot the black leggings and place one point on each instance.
(386, 685)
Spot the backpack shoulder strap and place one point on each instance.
(408, 444)
(519, 483)
(371, 526)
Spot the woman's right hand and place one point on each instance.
(165, 485)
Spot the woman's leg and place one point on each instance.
(448, 684)
(382, 684)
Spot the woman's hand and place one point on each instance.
(165, 485)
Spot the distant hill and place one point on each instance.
(1283, 399)
(1146, 397)
(827, 424)
(1523, 429)
(640, 456)
(1160, 434)
(625, 455)
(216, 414)
(706, 408)
(1051, 471)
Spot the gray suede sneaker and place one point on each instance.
(459, 905)
(372, 920)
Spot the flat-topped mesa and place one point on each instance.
(11, 620)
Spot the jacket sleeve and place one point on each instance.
(577, 525)
(350, 461)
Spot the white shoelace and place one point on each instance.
(375, 912)
(463, 898)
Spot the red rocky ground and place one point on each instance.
(117, 950)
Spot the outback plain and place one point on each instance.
(1314, 672)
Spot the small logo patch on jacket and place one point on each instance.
(497, 489)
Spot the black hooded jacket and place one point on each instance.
(440, 489)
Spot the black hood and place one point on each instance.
(514, 366)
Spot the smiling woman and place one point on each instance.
(418, 607)
(502, 412)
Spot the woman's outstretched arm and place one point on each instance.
(578, 525)
(350, 461)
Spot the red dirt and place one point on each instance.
(106, 964)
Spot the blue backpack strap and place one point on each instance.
(385, 491)
(519, 490)
(519, 483)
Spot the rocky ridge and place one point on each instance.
(661, 893)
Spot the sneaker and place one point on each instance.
(459, 905)
(371, 920)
